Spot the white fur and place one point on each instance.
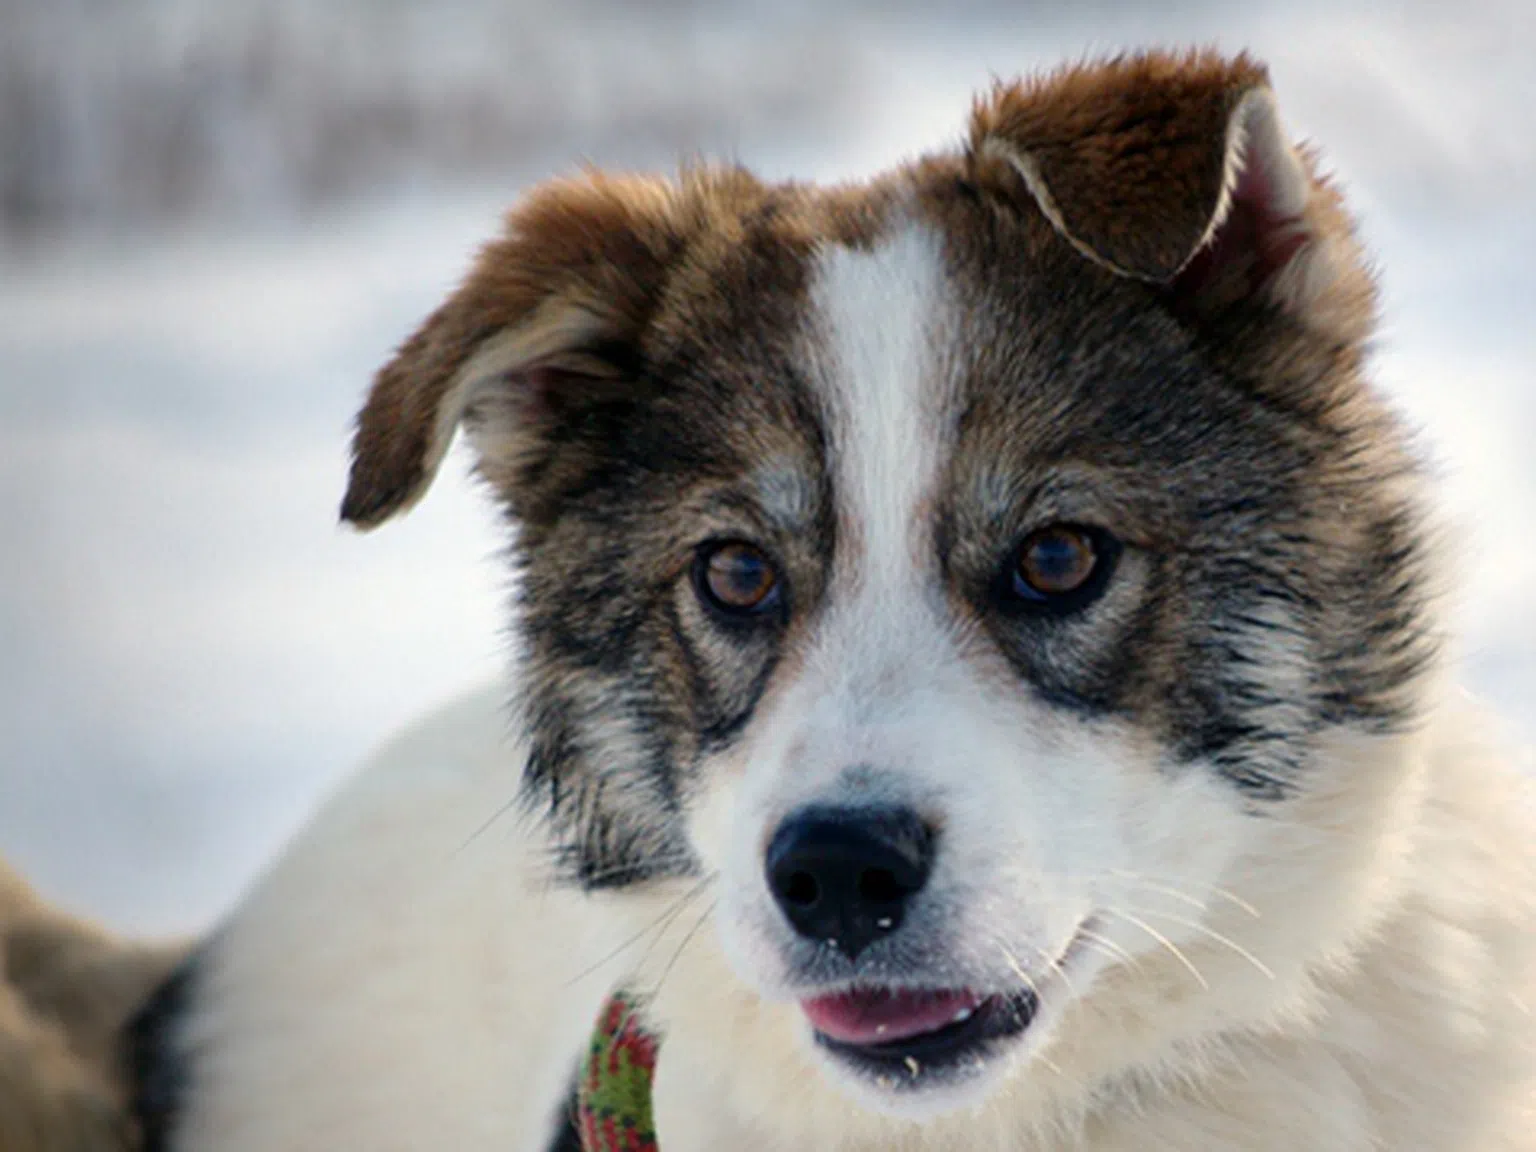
(1256, 137)
(403, 979)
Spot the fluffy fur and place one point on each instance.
(67, 989)
(1225, 819)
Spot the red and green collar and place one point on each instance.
(613, 1098)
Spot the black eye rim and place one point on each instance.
(1019, 598)
(769, 609)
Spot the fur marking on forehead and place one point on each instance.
(879, 318)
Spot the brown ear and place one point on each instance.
(575, 273)
(1142, 162)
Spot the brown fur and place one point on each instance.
(66, 990)
(1131, 152)
(581, 257)
(595, 242)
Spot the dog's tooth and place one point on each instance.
(913, 1066)
(885, 923)
(880, 1029)
(963, 1014)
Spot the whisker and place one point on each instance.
(1164, 889)
(658, 925)
(1217, 937)
(633, 1002)
(1237, 901)
(687, 939)
(661, 935)
(1034, 989)
(1185, 897)
(480, 831)
(1055, 966)
(1013, 962)
(1164, 941)
(1109, 946)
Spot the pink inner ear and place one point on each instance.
(1252, 244)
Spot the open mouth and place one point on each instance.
(891, 1030)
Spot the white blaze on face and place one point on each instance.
(854, 719)
(878, 322)
(879, 319)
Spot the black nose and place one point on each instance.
(844, 876)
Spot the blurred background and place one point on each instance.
(216, 219)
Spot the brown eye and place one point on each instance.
(1062, 566)
(736, 579)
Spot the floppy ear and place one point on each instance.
(1173, 169)
(550, 305)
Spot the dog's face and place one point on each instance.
(972, 575)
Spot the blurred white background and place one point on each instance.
(216, 219)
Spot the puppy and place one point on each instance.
(978, 684)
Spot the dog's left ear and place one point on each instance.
(1172, 169)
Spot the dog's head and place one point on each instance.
(996, 578)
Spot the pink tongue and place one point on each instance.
(883, 1015)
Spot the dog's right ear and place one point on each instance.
(551, 304)
(1175, 169)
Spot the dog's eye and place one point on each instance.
(736, 579)
(1062, 566)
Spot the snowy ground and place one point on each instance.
(190, 650)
